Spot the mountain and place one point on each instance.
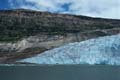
(20, 23)
(25, 33)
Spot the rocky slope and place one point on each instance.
(31, 32)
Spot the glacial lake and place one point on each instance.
(59, 72)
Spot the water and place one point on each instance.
(60, 72)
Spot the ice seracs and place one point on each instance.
(102, 50)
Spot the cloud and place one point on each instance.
(95, 8)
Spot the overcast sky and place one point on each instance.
(95, 8)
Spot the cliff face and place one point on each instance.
(22, 30)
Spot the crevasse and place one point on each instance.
(102, 50)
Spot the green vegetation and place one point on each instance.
(13, 28)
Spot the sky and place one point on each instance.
(94, 8)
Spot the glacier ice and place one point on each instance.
(102, 50)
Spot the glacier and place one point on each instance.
(102, 50)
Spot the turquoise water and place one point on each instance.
(59, 72)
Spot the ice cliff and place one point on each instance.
(103, 50)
